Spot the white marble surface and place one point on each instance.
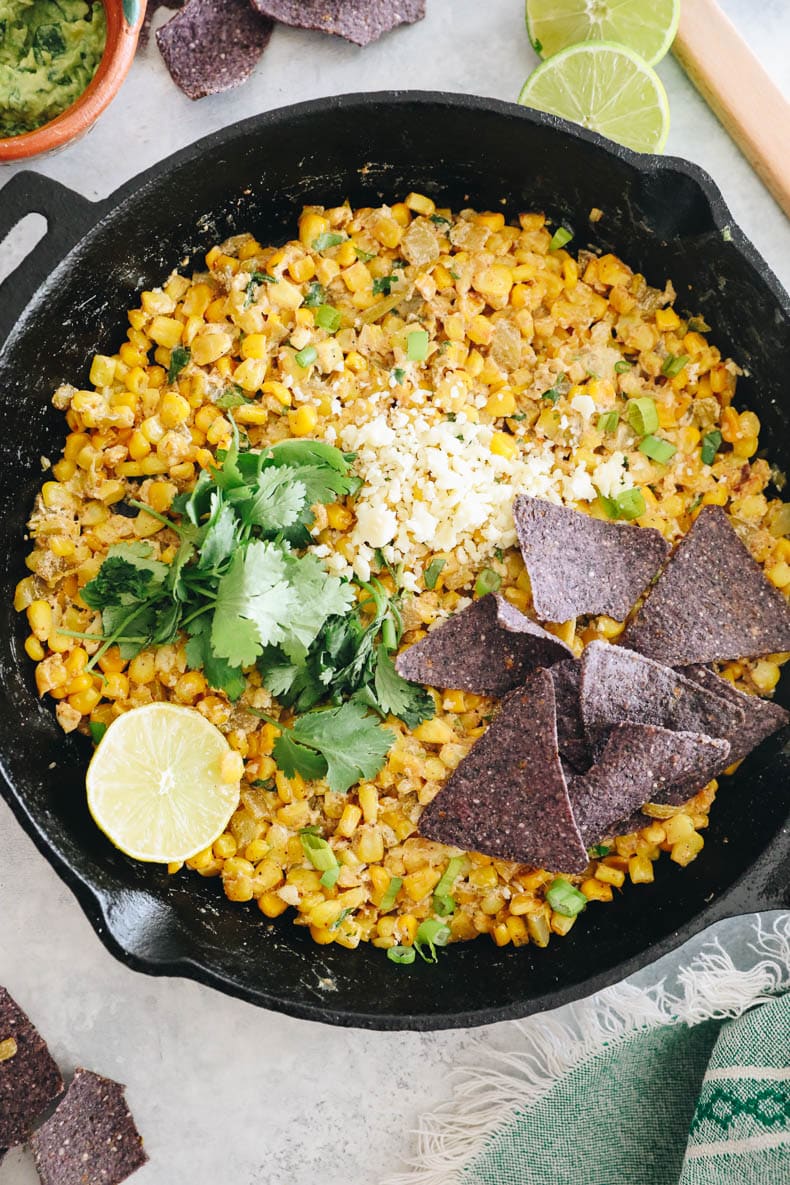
(221, 1090)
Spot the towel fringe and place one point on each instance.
(500, 1081)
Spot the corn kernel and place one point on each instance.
(39, 618)
(349, 820)
(33, 648)
(504, 445)
(640, 870)
(678, 827)
(231, 767)
(279, 391)
(686, 850)
(303, 420)
(609, 875)
(420, 204)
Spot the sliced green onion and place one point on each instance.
(698, 325)
(622, 366)
(560, 237)
(642, 415)
(329, 878)
(608, 421)
(417, 345)
(365, 256)
(318, 851)
(389, 634)
(431, 574)
(399, 374)
(341, 917)
(657, 449)
(488, 581)
(306, 357)
(326, 240)
(439, 219)
(328, 318)
(673, 365)
(564, 898)
(450, 875)
(402, 955)
(711, 443)
(316, 295)
(443, 902)
(431, 933)
(97, 730)
(393, 888)
(630, 504)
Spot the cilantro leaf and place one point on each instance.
(382, 285)
(277, 499)
(127, 574)
(220, 535)
(293, 758)
(317, 596)
(179, 356)
(231, 397)
(254, 601)
(409, 702)
(220, 674)
(351, 744)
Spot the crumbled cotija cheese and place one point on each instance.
(432, 485)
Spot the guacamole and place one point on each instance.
(49, 51)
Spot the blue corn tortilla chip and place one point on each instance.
(212, 45)
(358, 21)
(711, 602)
(489, 648)
(579, 564)
(761, 716)
(30, 1080)
(640, 763)
(91, 1136)
(619, 685)
(508, 797)
(571, 738)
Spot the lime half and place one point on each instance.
(606, 88)
(648, 27)
(156, 786)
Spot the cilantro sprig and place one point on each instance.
(237, 584)
(246, 592)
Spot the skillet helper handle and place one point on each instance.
(739, 92)
(68, 215)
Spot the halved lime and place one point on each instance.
(606, 88)
(648, 27)
(155, 784)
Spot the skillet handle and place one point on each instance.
(68, 215)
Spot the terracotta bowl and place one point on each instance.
(124, 18)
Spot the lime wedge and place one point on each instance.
(606, 88)
(155, 784)
(648, 27)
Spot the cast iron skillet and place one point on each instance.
(664, 216)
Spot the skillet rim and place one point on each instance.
(87, 218)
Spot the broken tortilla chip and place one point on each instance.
(29, 1078)
(579, 564)
(488, 648)
(762, 717)
(508, 797)
(571, 738)
(712, 601)
(640, 763)
(90, 1137)
(619, 685)
(212, 45)
(358, 21)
